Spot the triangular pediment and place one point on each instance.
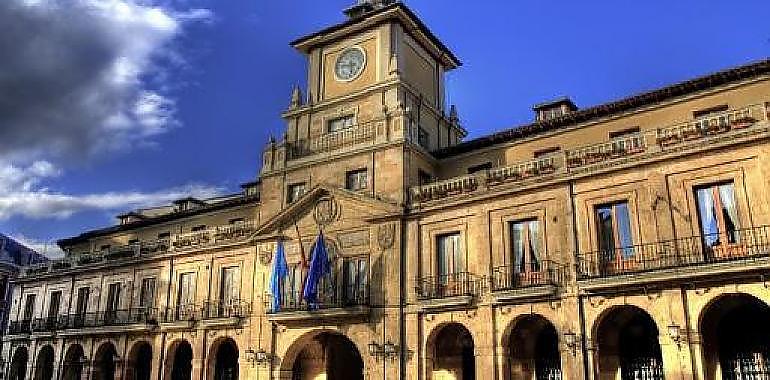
(327, 208)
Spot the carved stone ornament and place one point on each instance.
(326, 211)
(386, 236)
(265, 256)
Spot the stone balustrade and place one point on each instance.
(738, 122)
(358, 134)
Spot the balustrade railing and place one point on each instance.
(210, 236)
(183, 312)
(347, 137)
(609, 152)
(448, 285)
(745, 244)
(48, 324)
(140, 315)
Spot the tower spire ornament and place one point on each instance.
(363, 7)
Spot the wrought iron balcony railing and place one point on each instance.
(328, 298)
(745, 244)
(512, 276)
(448, 285)
(109, 318)
(23, 326)
(182, 313)
(225, 309)
(48, 324)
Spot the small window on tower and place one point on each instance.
(341, 123)
(423, 138)
(357, 180)
(480, 168)
(295, 192)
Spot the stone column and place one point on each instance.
(696, 350)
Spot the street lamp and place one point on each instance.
(675, 333)
(571, 340)
(385, 351)
(259, 357)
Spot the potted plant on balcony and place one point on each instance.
(743, 122)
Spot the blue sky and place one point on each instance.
(223, 72)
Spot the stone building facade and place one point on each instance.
(627, 240)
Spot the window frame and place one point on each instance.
(619, 251)
(527, 242)
(348, 122)
(716, 196)
(353, 180)
(291, 195)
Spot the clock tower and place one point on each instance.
(374, 101)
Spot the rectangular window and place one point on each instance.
(113, 298)
(228, 288)
(198, 228)
(236, 221)
(357, 180)
(104, 248)
(356, 279)
(147, 293)
(613, 225)
(54, 304)
(480, 168)
(186, 293)
(546, 151)
(133, 242)
(423, 138)
(164, 235)
(624, 132)
(526, 246)
(718, 214)
(449, 258)
(341, 123)
(709, 111)
(296, 191)
(81, 307)
(29, 307)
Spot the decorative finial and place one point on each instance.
(296, 98)
(454, 118)
(363, 7)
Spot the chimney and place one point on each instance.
(554, 109)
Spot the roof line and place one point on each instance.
(659, 95)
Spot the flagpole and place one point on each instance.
(303, 262)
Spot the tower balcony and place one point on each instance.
(345, 138)
(333, 303)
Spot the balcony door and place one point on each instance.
(613, 225)
(81, 307)
(450, 264)
(356, 279)
(185, 296)
(526, 252)
(718, 219)
(229, 291)
(53, 310)
(29, 307)
(113, 303)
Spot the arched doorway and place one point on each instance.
(73, 363)
(736, 338)
(105, 362)
(181, 361)
(627, 346)
(453, 353)
(139, 362)
(224, 360)
(533, 350)
(18, 370)
(329, 354)
(44, 363)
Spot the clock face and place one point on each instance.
(350, 64)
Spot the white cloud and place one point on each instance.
(22, 195)
(76, 75)
(81, 78)
(43, 247)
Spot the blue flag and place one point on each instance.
(280, 271)
(319, 267)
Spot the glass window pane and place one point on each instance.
(707, 215)
(517, 246)
(729, 210)
(624, 229)
(606, 235)
(535, 244)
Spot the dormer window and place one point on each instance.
(129, 218)
(341, 123)
(187, 204)
(251, 189)
(554, 109)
